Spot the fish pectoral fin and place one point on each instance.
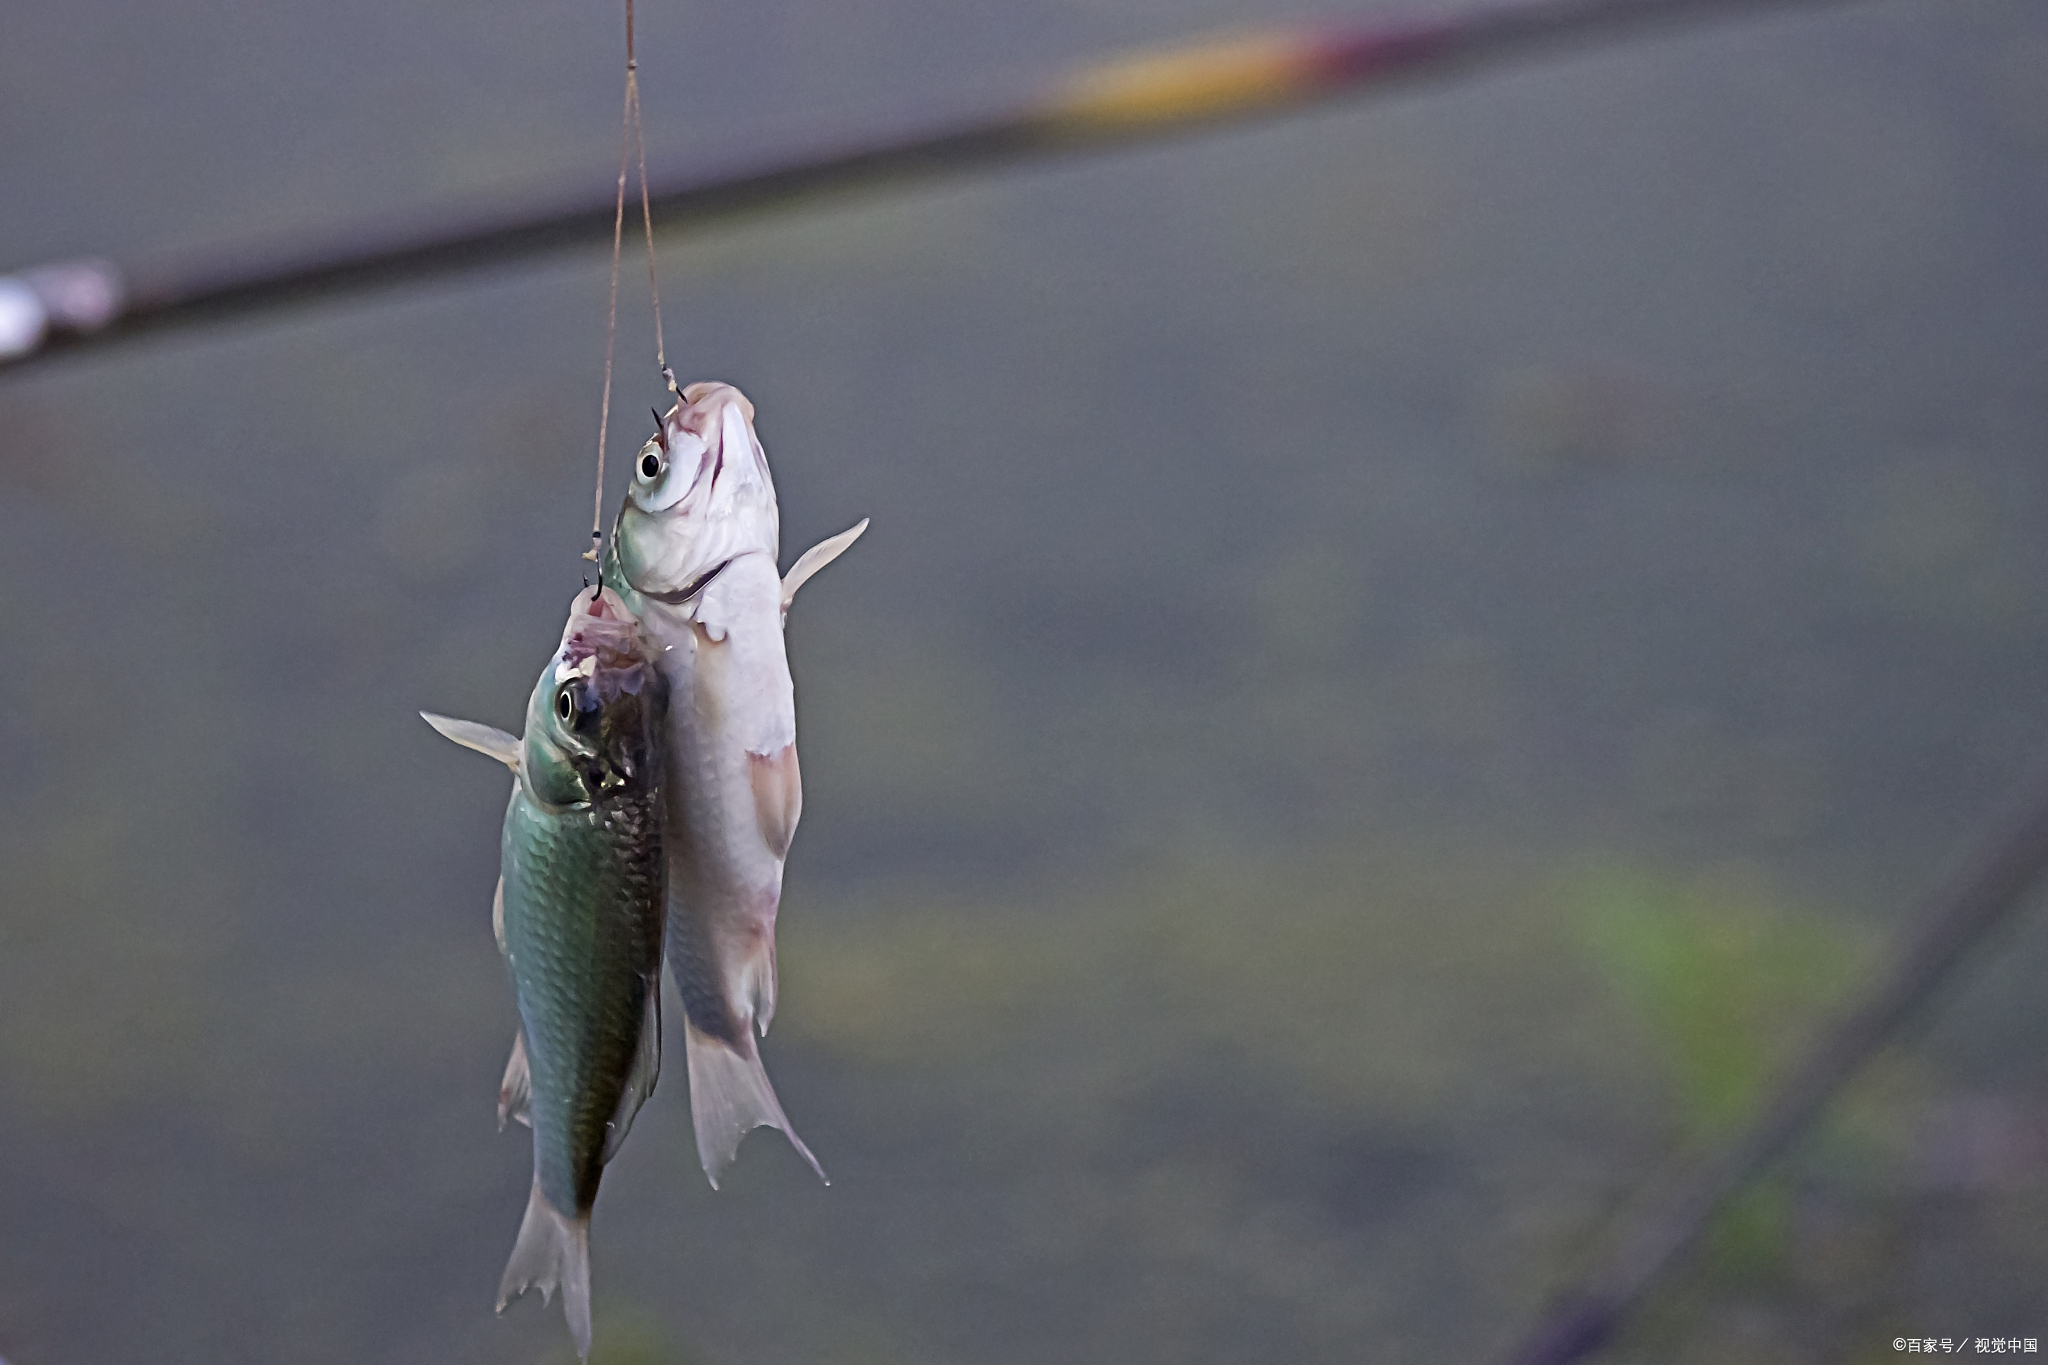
(553, 1251)
(778, 796)
(515, 1092)
(498, 916)
(816, 558)
(646, 1069)
(729, 1098)
(485, 739)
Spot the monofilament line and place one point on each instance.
(646, 209)
(632, 145)
(611, 327)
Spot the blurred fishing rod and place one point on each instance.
(76, 306)
(1982, 894)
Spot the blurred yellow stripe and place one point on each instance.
(1196, 82)
(1134, 98)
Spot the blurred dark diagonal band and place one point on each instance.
(1982, 894)
(78, 306)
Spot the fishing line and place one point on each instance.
(632, 145)
(646, 210)
(611, 329)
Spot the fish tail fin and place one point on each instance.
(729, 1098)
(552, 1252)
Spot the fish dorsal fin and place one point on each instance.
(485, 739)
(814, 559)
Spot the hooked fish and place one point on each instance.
(579, 917)
(693, 555)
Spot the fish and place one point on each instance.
(693, 554)
(579, 915)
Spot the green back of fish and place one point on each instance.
(583, 927)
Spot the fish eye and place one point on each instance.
(650, 463)
(566, 705)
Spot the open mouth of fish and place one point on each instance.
(603, 645)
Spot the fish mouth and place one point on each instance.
(709, 432)
(621, 752)
(602, 643)
(625, 754)
(603, 646)
(713, 500)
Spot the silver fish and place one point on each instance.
(693, 555)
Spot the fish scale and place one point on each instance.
(579, 952)
(580, 917)
(693, 556)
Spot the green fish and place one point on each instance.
(579, 916)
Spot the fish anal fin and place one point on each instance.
(515, 1092)
(729, 1098)
(552, 1252)
(816, 558)
(778, 796)
(485, 739)
(760, 984)
(646, 1069)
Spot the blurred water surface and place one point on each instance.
(1405, 657)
